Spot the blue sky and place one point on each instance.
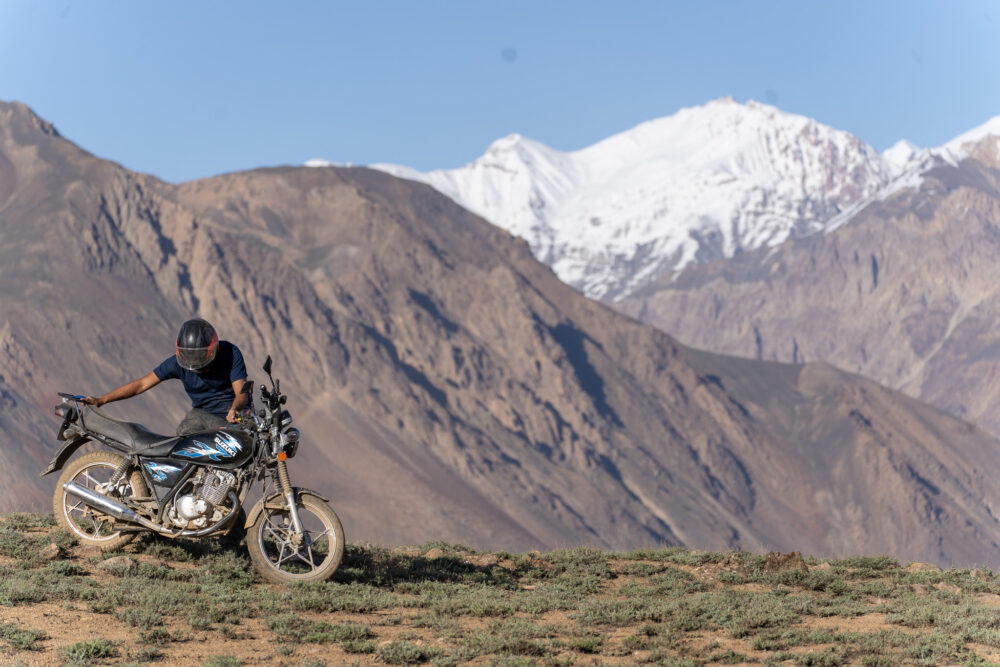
(184, 89)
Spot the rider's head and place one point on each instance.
(197, 344)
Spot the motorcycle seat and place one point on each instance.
(133, 438)
(161, 449)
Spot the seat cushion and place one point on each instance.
(134, 437)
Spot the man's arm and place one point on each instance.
(239, 402)
(129, 390)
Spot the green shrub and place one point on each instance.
(140, 618)
(877, 661)
(21, 640)
(156, 636)
(25, 521)
(876, 563)
(145, 654)
(222, 661)
(833, 657)
(324, 633)
(406, 653)
(586, 644)
(623, 612)
(358, 646)
(24, 546)
(85, 653)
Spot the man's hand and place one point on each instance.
(96, 401)
(239, 402)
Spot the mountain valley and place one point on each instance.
(745, 230)
(449, 385)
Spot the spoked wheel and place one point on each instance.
(283, 557)
(91, 526)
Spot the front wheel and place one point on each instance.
(283, 557)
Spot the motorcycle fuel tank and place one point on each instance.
(221, 449)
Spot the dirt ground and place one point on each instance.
(579, 607)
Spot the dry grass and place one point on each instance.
(192, 604)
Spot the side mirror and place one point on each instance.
(267, 365)
(247, 387)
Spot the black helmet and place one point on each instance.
(197, 344)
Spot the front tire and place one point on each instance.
(91, 526)
(272, 544)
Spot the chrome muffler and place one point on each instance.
(119, 511)
(108, 505)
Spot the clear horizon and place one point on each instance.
(187, 91)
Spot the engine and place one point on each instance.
(204, 504)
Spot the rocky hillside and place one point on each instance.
(903, 290)
(449, 385)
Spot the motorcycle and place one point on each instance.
(195, 486)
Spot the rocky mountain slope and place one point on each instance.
(448, 384)
(750, 192)
(705, 183)
(903, 290)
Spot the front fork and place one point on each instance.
(286, 488)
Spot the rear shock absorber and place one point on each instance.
(119, 472)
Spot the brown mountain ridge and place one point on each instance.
(447, 384)
(906, 292)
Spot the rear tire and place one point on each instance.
(91, 526)
(270, 542)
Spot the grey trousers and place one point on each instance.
(200, 421)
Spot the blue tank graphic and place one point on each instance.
(164, 475)
(160, 471)
(219, 447)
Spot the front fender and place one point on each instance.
(276, 501)
(63, 454)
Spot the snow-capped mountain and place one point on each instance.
(705, 183)
(960, 147)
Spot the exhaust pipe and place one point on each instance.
(108, 505)
(119, 511)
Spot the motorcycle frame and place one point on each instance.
(261, 459)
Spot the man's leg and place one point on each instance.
(199, 421)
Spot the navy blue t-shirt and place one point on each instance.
(212, 388)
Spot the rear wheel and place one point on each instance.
(91, 526)
(283, 557)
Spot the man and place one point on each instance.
(213, 374)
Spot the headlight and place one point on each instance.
(290, 442)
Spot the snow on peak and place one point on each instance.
(958, 148)
(902, 155)
(704, 183)
(509, 142)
